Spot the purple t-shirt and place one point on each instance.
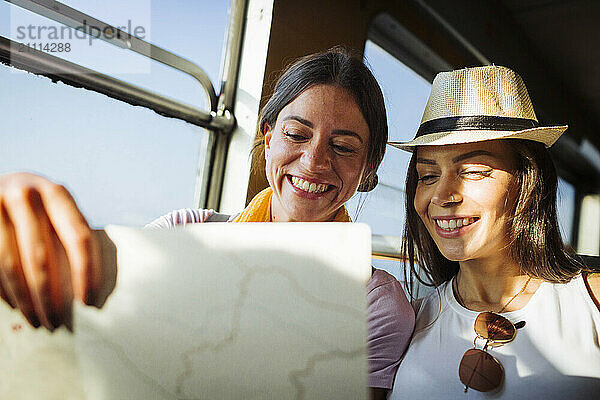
(391, 321)
(390, 317)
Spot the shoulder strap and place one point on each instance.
(584, 276)
(218, 217)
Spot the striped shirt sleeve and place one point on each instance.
(180, 217)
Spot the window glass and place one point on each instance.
(194, 30)
(565, 207)
(588, 238)
(123, 164)
(405, 95)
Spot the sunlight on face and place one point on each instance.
(315, 154)
(465, 195)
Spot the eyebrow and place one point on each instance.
(343, 132)
(462, 157)
(299, 119)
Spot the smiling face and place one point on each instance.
(464, 196)
(315, 154)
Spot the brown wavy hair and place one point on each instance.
(535, 242)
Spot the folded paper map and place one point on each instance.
(211, 311)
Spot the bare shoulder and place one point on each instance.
(593, 284)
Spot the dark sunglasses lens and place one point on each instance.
(480, 371)
(494, 327)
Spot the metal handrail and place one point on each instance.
(232, 47)
(386, 247)
(72, 74)
(121, 90)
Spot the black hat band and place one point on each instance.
(475, 123)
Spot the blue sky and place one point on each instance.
(123, 164)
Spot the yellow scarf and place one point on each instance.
(259, 210)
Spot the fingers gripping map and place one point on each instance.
(218, 310)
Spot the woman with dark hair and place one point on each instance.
(513, 314)
(324, 133)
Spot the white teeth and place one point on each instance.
(451, 224)
(309, 187)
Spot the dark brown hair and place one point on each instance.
(535, 242)
(340, 68)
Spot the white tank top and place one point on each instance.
(555, 356)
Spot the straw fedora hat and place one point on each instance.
(477, 104)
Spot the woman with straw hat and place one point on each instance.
(513, 315)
